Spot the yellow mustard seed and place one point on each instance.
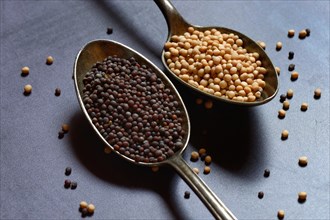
(281, 113)
(302, 196)
(199, 101)
(155, 168)
(291, 33)
(262, 44)
(286, 105)
(285, 134)
(289, 93)
(196, 170)
(280, 214)
(207, 170)
(294, 75)
(83, 204)
(65, 128)
(208, 159)
(317, 93)
(202, 151)
(49, 60)
(208, 104)
(25, 71)
(278, 70)
(194, 156)
(303, 161)
(302, 34)
(304, 106)
(278, 46)
(27, 89)
(90, 208)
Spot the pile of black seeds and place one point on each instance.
(133, 109)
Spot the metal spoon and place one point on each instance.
(98, 50)
(178, 26)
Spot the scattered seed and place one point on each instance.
(280, 214)
(308, 32)
(278, 70)
(65, 128)
(317, 93)
(60, 134)
(203, 156)
(286, 105)
(303, 161)
(291, 55)
(304, 106)
(194, 156)
(302, 34)
(208, 104)
(49, 60)
(90, 208)
(291, 67)
(68, 171)
(107, 150)
(84, 212)
(208, 159)
(67, 184)
(302, 196)
(281, 114)
(73, 185)
(109, 30)
(199, 101)
(260, 195)
(57, 92)
(27, 89)
(186, 194)
(83, 204)
(202, 151)
(291, 33)
(155, 168)
(266, 173)
(285, 134)
(207, 170)
(278, 46)
(282, 97)
(294, 76)
(25, 71)
(196, 170)
(289, 93)
(262, 44)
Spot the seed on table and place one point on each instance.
(73, 185)
(208, 104)
(278, 46)
(260, 195)
(304, 106)
(282, 97)
(286, 105)
(266, 173)
(67, 184)
(202, 151)
(68, 171)
(285, 134)
(281, 114)
(27, 89)
(289, 93)
(291, 67)
(308, 32)
(109, 30)
(65, 128)
(302, 196)
(186, 194)
(83, 204)
(60, 134)
(49, 60)
(25, 71)
(90, 208)
(291, 33)
(303, 161)
(199, 101)
(294, 76)
(302, 34)
(57, 92)
(207, 170)
(317, 93)
(155, 168)
(107, 150)
(194, 156)
(291, 55)
(208, 159)
(84, 212)
(280, 214)
(196, 170)
(262, 44)
(278, 70)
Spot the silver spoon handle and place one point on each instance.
(175, 22)
(211, 201)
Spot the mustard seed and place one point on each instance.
(196, 170)
(308, 32)
(302, 34)
(291, 67)
(282, 97)
(317, 93)
(67, 184)
(155, 168)
(262, 44)
(49, 60)
(73, 185)
(291, 55)
(107, 150)
(60, 134)
(109, 30)
(260, 195)
(286, 105)
(294, 76)
(208, 104)
(27, 89)
(278, 46)
(25, 71)
(194, 156)
(207, 170)
(202, 151)
(90, 208)
(65, 128)
(199, 101)
(302, 196)
(280, 214)
(304, 106)
(285, 134)
(289, 93)
(208, 159)
(291, 33)
(278, 70)
(84, 212)
(266, 173)
(68, 171)
(303, 161)
(281, 113)
(83, 204)
(57, 92)
(186, 194)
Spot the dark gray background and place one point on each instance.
(242, 141)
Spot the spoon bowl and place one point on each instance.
(177, 25)
(97, 51)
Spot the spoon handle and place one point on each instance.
(211, 201)
(175, 22)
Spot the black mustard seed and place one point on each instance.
(67, 184)
(186, 194)
(57, 92)
(73, 185)
(68, 171)
(291, 55)
(133, 109)
(291, 67)
(266, 173)
(260, 195)
(282, 97)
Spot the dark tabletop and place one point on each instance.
(243, 142)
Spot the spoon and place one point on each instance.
(178, 26)
(98, 50)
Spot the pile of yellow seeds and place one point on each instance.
(216, 63)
